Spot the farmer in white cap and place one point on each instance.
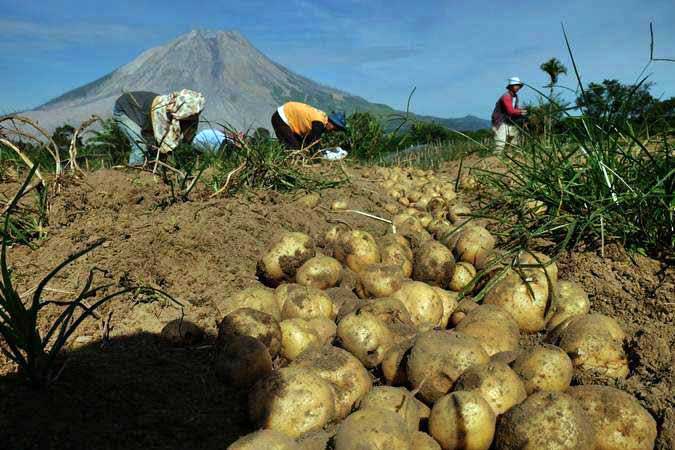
(505, 113)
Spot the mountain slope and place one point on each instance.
(242, 86)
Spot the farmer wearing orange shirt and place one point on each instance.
(505, 113)
(299, 126)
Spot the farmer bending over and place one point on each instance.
(298, 125)
(161, 122)
(505, 113)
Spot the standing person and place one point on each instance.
(298, 125)
(160, 121)
(505, 113)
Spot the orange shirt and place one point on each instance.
(301, 116)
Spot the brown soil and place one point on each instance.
(135, 391)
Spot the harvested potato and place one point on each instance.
(463, 307)
(422, 441)
(307, 303)
(570, 301)
(458, 213)
(379, 280)
(373, 429)
(265, 439)
(297, 335)
(292, 400)
(437, 360)
(259, 298)
(545, 419)
(434, 264)
(326, 329)
(473, 243)
(449, 301)
(494, 328)
(350, 379)
(396, 254)
(181, 332)
(462, 420)
(395, 399)
(357, 249)
(595, 344)
(365, 336)
(620, 422)
(395, 361)
(242, 361)
(496, 382)
(391, 208)
(544, 368)
(345, 300)
(332, 236)
(515, 294)
(422, 302)
(249, 322)
(462, 276)
(392, 312)
(320, 272)
(439, 228)
(339, 205)
(539, 259)
(309, 200)
(285, 255)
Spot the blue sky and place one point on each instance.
(458, 54)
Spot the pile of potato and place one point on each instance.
(368, 337)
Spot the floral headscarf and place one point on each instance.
(168, 111)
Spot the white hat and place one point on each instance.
(514, 81)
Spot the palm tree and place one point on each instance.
(554, 68)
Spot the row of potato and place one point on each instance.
(468, 387)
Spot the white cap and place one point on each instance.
(514, 81)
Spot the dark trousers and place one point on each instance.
(285, 135)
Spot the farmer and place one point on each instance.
(154, 122)
(298, 125)
(505, 115)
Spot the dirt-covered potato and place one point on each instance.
(463, 307)
(365, 336)
(542, 419)
(544, 368)
(462, 420)
(439, 228)
(422, 441)
(496, 330)
(242, 361)
(326, 329)
(339, 205)
(250, 322)
(298, 335)
(395, 399)
(310, 200)
(434, 264)
(357, 249)
(496, 382)
(437, 360)
(350, 379)
(458, 213)
(570, 300)
(259, 298)
(394, 254)
(394, 364)
(181, 332)
(619, 420)
(595, 344)
(463, 275)
(345, 300)
(307, 303)
(449, 301)
(373, 429)
(292, 400)
(539, 259)
(379, 280)
(472, 243)
(524, 295)
(393, 313)
(285, 255)
(332, 236)
(320, 272)
(423, 304)
(265, 439)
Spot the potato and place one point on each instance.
(345, 301)
(332, 236)
(494, 328)
(458, 213)
(423, 304)
(462, 420)
(595, 344)
(242, 361)
(373, 429)
(297, 335)
(357, 249)
(258, 297)
(181, 332)
(265, 439)
(320, 272)
(249, 322)
(462, 276)
(391, 208)
(293, 400)
(395, 362)
(395, 399)
(308, 303)
(620, 422)
(395, 254)
(544, 368)
(437, 360)
(350, 379)
(379, 280)
(512, 294)
(545, 420)
(496, 382)
(439, 228)
(570, 300)
(536, 258)
(285, 255)
(365, 336)
(422, 441)
(434, 264)
(339, 205)
(449, 301)
(309, 200)
(463, 307)
(473, 243)
(326, 329)
(393, 313)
